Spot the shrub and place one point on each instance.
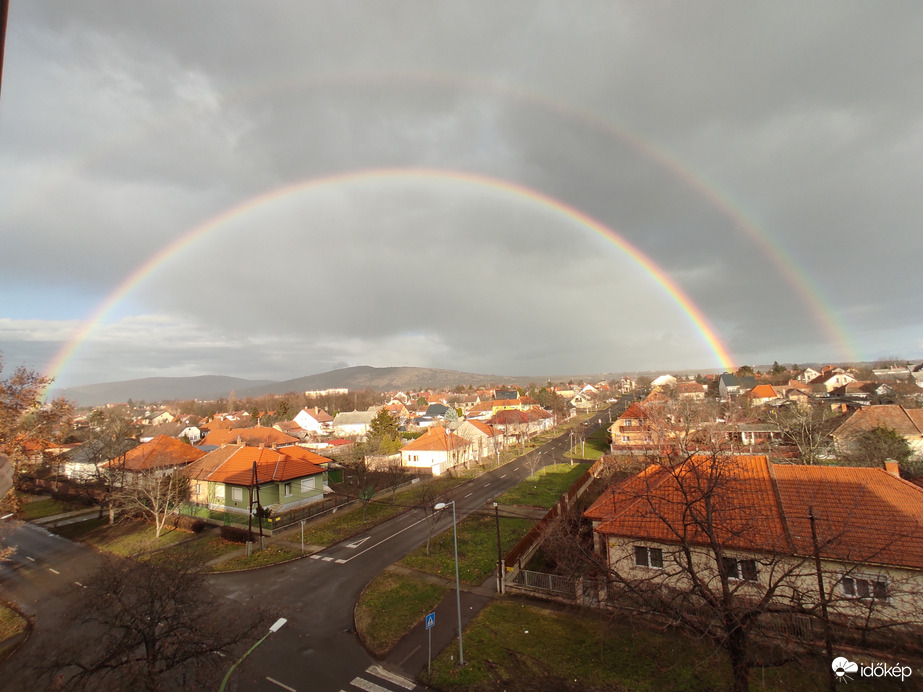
(235, 534)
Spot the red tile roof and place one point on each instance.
(161, 452)
(907, 422)
(233, 464)
(862, 514)
(257, 435)
(436, 439)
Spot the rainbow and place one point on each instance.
(782, 261)
(694, 314)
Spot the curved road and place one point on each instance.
(316, 649)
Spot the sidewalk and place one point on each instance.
(69, 517)
(411, 655)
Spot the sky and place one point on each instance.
(519, 188)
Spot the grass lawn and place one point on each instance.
(272, 555)
(477, 548)
(545, 487)
(125, 539)
(333, 528)
(204, 549)
(596, 446)
(11, 622)
(517, 647)
(46, 507)
(391, 605)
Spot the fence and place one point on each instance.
(523, 551)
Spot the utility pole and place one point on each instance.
(828, 643)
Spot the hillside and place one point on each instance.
(384, 379)
(152, 389)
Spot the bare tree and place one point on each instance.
(148, 626)
(806, 427)
(155, 495)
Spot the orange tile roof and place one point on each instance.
(160, 452)
(863, 515)
(233, 464)
(661, 503)
(483, 427)
(256, 435)
(436, 439)
(904, 421)
(634, 411)
(763, 391)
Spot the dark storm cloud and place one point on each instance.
(735, 145)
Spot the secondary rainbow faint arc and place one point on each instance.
(692, 311)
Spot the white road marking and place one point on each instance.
(284, 687)
(315, 557)
(340, 561)
(390, 677)
(328, 559)
(30, 559)
(503, 476)
(468, 495)
(53, 570)
(356, 544)
(368, 686)
(80, 585)
(383, 540)
(486, 484)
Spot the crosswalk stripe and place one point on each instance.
(315, 557)
(385, 674)
(363, 684)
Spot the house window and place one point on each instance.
(237, 494)
(307, 485)
(744, 570)
(865, 587)
(219, 491)
(626, 438)
(198, 488)
(648, 557)
(288, 490)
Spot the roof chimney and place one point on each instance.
(892, 467)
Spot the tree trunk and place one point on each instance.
(736, 646)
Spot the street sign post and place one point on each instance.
(430, 623)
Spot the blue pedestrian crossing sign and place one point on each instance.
(430, 620)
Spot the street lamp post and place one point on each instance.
(276, 626)
(499, 553)
(443, 505)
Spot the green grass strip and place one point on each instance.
(391, 605)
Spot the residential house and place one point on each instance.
(437, 451)
(763, 394)
(807, 375)
(353, 423)
(314, 420)
(663, 381)
(291, 428)
(906, 422)
(160, 456)
(868, 522)
(255, 436)
(87, 462)
(582, 402)
(282, 479)
(626, 385)
(632, 429)
(730, 386)
(832, 379)
(690, 390)
(487, 440)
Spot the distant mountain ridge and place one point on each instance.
(384, 379)
(151, 389)
(208, 387)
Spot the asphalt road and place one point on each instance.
(316, 649)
